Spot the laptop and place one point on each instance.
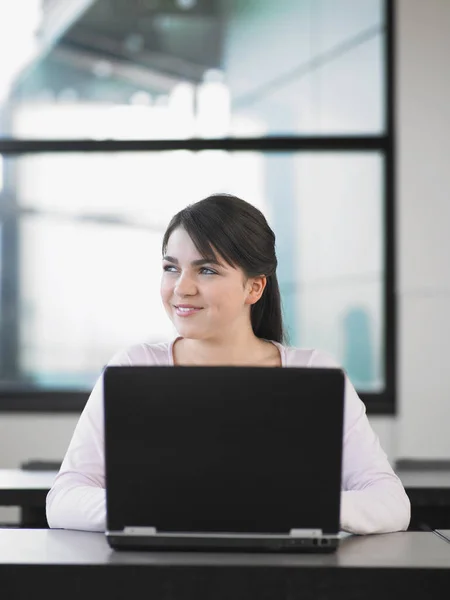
(245, 459)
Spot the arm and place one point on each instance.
(77, 499)
(373, 499)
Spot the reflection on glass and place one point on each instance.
(211, 68)
(90, 234)
(358, 346)
(19, 22)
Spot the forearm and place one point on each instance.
(76, 506)
(380, 508)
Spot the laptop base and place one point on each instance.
(162, 543)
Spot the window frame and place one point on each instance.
(21, 399)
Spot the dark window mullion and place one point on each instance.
(265, 144)
(390, 300)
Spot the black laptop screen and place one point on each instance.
(223, 449)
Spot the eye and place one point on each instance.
(207, 271)
(169, 268)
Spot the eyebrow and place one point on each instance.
(195, 263)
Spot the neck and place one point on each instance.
(232, 348)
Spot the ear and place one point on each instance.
(255, 287)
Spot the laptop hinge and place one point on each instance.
(139, 530)
(297, 533)
(305, 533)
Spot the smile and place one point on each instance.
(186, 311)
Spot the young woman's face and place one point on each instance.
(203, 299)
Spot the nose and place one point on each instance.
(185, 286)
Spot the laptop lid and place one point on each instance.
(223, 449)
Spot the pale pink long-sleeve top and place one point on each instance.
(373, 499)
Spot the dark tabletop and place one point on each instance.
(72, 564)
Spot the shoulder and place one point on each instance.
(299, 357)
(308, 357)
(142, 355)
(314, 358)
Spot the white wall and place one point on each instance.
(423, 217)
(423, 213)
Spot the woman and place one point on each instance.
(219, 288)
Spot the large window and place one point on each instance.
(118, 113)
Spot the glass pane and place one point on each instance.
(340, 250)
(89, 251)
(166, 69)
